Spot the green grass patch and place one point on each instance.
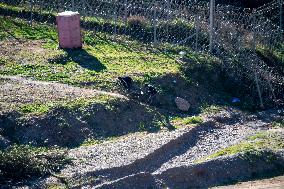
(254, 144)
(35, 109)
(80, 103)
(273, 55)
(18, 28)
(99, 63)
(179, 122)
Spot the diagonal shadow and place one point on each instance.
(153, 161)
(82, 58)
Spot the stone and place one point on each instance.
(182, 104)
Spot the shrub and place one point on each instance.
(177, 29)
(23, 162)
(137, 22)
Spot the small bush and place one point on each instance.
(278, 124)
(137, 22)
(176, 30)
(24, 162)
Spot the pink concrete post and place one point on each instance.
(69, 30)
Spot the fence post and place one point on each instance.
(31, 12)
(254, 31)
(212, 12)
(155, 24)
(197, 32)
(115, 20)
(125, 12)
(281, 17)
(73, 5)
(168, 8)
(258, 89)
(84, 12)
(57, 6)
(256, 79)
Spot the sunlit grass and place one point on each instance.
(257, 143)
(78, 104)
(121, 57)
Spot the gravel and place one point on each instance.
(155, 153)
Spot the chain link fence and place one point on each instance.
(233, 33)
(172, 21)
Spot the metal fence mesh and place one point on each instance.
(232, 33)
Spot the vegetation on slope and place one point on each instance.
(25, 162)
(254, 145)
(103, 58)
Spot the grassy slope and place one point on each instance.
(100, 61)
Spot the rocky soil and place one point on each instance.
(166, 158)
(169, 158)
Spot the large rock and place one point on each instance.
(182, 104)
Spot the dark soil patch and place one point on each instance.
(71, 127)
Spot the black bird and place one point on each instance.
(126, 82)
(150, 90)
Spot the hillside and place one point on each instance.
(66, 122)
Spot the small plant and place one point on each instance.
(176, 29)
(278, 124)
(34, 108)
(213, 109)
(194, 120)
(142, 127)
(92, 142)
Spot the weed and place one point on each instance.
(213, 109)
(142, 127)
(278, 124)
(194, 120)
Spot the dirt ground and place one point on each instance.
(16, 91)
(26, 52)
(272, 183)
